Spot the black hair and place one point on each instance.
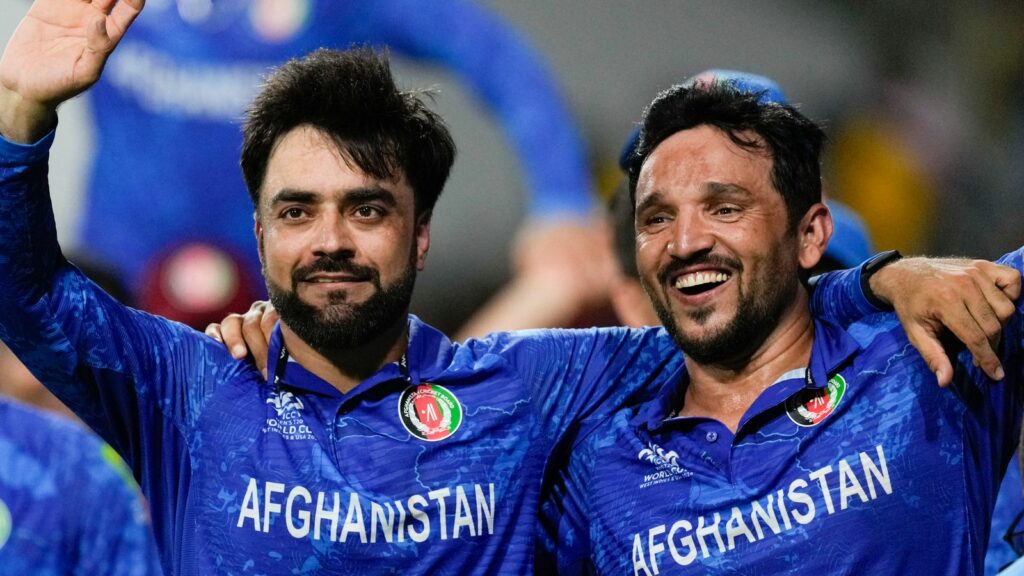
(790, 139)
(620, 213)
(352, 97)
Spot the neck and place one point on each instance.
(346, 368)
(726, 391)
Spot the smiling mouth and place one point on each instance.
(695, 283)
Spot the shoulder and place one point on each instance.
(654, 341)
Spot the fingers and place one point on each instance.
(988, 306)
(268, 320)
(213, 331)
(255, 338)
(964, 325)
(231, 336)
(928, 344)
(1005, 278)
(122, 16)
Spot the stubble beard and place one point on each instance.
(758, 312)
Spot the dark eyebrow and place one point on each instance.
(648, 200)
(293, 195)
(723, 189)
(351, 196)
(376, 193)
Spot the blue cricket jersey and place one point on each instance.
(68, 505)
(858, 465)
(436, 468)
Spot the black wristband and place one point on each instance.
(869, 268)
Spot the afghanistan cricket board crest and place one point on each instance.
(812, 405)
(429, 412)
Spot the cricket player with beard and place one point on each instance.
(374, 445)
(787, 443)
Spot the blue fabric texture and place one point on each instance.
(68, 504)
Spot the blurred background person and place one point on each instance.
(68, 505)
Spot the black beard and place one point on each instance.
(339, 326)
(757, 315)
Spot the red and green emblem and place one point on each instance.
(812, 405)
(429, 412)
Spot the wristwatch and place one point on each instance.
(869, 268)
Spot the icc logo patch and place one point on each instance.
(429, 412)
(812, 405)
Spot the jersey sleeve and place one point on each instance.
(576, 374)
(140, 381)
(1006, 397)
(839, 298)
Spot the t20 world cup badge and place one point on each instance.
(429, 412)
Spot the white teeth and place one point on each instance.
(698, 278)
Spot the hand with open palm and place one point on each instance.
(57, 52)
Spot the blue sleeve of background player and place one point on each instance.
(123, 371)
(504, 72)
(115, 534)
(68, 504)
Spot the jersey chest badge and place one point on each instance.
(429, 412)
(812, 405)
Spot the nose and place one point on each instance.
(332, 237)
(691, 234)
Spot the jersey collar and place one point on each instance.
(428, 354)
(831, 350)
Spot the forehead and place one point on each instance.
(702, 155)
(306, 158)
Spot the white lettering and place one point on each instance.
(439, 496)
(686, 541)
(269, 506)
(764, 514)
(303, 530)
(354, 519)
(250, 505)
(322, 513)
(849, 485)
(873, 472)
(639, 558)
(387, 524)
(416, 504)
(819, 475)
(711, 529)
(483, 511)
(801, 498)
(463, 513)
(655, 548)
(737, 527)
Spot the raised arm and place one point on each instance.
(58, 51)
